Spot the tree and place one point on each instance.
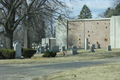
(9, 19)
(85, 13)
(107, 12)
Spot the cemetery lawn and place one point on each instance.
(82, 56)
(109, 71)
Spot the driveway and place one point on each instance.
(29, 71)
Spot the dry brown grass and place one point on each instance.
(99, 72)
(83, 55)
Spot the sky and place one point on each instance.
(96, 6)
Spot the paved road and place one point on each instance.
(29, 71)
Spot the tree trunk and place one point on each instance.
(26, 38)
(8, 44)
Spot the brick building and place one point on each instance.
(73, 32)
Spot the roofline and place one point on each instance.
(99, 19)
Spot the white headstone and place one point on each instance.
(108, 48)
(73, 50)
(17, 48)
(86, 43)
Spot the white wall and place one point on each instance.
(61, 33)
(115, 32)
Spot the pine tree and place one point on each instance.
(107, 12)
(85, 13)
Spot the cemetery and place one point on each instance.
(50, 47)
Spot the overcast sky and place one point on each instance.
(96, 6)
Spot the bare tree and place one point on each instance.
(10, 20)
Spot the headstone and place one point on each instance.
(55, 48)
(91, 49)
(40, 50)
(93, 45)
(62, 48)
(46, 47)
(17, 48)
(73, 50)
(108, 48)
(86, 43)
(98, 46)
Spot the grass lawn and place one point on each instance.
(99, 72)
(109, 71)
(83, 55)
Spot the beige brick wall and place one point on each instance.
(82, 28)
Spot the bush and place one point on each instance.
(8, 53)
(49, 54)
(28, 53)
(53, 54)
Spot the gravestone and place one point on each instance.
(108, 48)
(86, 43)
(98, 46)
(46, 47)
(73, 50)
(93, 45)
(40, 50)
(55, 48)
(91, 49)
(62, 48)
(17, 48)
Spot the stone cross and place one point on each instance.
(17, 48)
(62, 48)
(73, 50)
(91, 49)
(86, 43)
(108, 48)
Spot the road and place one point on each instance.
(29, 71)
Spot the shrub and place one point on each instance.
(28, 53)
(53, 54)
(8, 53)
(49, 54)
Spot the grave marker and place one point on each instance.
(86, 43)
(73, 50)
(91, 49)
(55, 48)
(40, 50)
(17, 48)
(62, 48)
(98, 46)
(108, 48)
(93, 45)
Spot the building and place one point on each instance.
(105, 31)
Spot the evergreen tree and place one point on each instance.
(117, 10)
(107, 12)
(85, 13)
